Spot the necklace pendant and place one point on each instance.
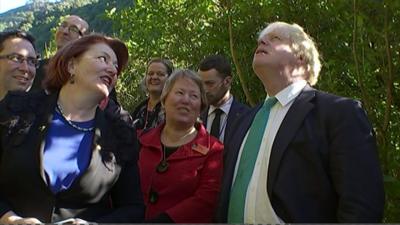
(162, 166)
(153, 197)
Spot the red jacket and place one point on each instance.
(188, 190)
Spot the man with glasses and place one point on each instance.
(71, 28)
(224, 109)
(18, 61)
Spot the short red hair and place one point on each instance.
(57, 69)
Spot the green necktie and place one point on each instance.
(247, 161)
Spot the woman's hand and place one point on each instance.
(11, 218)
(81, 221)
(73, 221)
(29, 220)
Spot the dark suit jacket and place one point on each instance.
(237, 109)
(109, 189)
(323, 165)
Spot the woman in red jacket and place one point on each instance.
(180, 163)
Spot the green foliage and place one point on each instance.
(358, 40)
(183, 31)
(41, 16)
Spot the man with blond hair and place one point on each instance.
(303, 156)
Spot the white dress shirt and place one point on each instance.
(258, 208)
(224, 117)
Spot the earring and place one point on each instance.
(72, 79)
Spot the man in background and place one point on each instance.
(224, 109)
(18, 61)
(71, 28)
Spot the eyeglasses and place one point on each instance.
(17, 58)
(72, 29)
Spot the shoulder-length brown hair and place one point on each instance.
(57, 70)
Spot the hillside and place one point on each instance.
(40, 17)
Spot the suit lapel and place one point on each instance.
(96, 159)
(236, 136)
(233, 114)
(98, 138)
(43, 124)
(204, 116)
(239, 130)
(289, 127)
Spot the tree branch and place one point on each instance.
(246, 91)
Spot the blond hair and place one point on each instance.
(302, 45)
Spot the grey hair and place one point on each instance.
(302, 44)
(184, 73)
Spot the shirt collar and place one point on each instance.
(289, 93)
(224, 107)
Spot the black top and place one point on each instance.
(170, 150)
(144, 119)
(108, 191)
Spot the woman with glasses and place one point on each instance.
(61, 158)
(180, 163)
(149, 114)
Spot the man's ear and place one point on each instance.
(71, 66)
(301, 59)
(228, 81)
(303, 68)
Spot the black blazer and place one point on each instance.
(237, 109)
(108, 191)
(323, 165)
(153, 118)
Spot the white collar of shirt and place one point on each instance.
(289, 93)
(224, 107)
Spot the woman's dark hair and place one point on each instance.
(16, 34)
